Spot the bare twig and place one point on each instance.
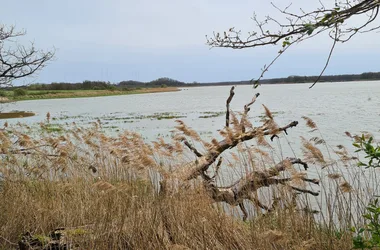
(246, 110)
(328, 59)
(300, 27)
(192, 148)
(8, 241)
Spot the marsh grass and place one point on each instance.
(18, 114)
(105, 191)
(56, 94)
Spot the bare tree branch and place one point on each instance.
(192, 148)
(245, 187)
(328, 59)
(300, 27)
(18, 61)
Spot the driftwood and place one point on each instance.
(246, 187)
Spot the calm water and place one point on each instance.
(335, 107)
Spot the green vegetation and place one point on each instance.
(211, 114)
(100, 88)
(372, 152)
(53, 128)
(368, 236)
(19, 92)
(369, 76)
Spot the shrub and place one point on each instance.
(112, 87)
(368, 236)
(3, 93)
(127, 89)
(19, 92)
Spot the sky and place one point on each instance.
(117, 40)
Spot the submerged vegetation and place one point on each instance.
(80, 188)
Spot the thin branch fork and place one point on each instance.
(246, 110)
(195, 169)
(192, 148)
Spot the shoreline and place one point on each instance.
(90, 93)
(279, 83)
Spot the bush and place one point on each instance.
(19, 92)
(368, 236)
(112, 87)
(3, 93)
(127, 89)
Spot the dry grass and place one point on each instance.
(21, 114)
(108, 188)
(130, 216)
(89, 93)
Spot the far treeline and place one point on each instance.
(168, 82)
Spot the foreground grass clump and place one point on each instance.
(129, 215)
(104, 192)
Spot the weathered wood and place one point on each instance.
(229, 99)
(245, 187)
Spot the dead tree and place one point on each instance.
(18, 61)
(244, 188)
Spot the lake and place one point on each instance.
(335, 107)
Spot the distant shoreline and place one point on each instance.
(282, 83)
(266, 82)
(63, 94)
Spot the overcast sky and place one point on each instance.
(117, 40)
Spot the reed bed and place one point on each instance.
(105, 193)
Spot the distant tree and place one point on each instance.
(130, 83)
(165, 81)
(300, 26)
(16, 60)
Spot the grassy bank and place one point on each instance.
(55, 94)
(11, 115)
